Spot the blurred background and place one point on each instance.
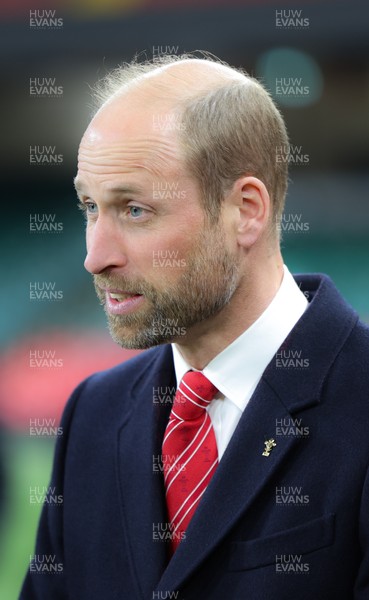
(312, 56)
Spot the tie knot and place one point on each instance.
(194, 394)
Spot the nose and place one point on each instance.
(104, 246)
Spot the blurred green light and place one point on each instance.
(293, 77)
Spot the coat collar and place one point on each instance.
(318, 337)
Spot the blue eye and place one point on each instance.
(135, 211)
(91, 207)
(88, 208)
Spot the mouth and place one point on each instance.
(121, 296)
(118, 302)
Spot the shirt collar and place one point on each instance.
(236, 371)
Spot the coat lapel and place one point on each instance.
(241, 475)
(243, 471)
(140, 477)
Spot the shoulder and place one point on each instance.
(110, 390)
(355, 352)
(125, 372)
(346, 388)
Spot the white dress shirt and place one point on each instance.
(237, 370)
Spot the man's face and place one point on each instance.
(159, 268)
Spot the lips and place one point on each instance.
(120, 302)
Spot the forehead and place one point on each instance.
(129, 130)
(104, 157)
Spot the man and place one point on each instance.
(251, 483)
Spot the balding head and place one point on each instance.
(170, 80)
(223, 121)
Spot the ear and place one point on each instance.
(251, 199)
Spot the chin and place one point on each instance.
(134, 341)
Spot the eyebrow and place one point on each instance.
(77, 184)
(120, 189)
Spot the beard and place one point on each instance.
(204, 287)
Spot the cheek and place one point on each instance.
(167, 257)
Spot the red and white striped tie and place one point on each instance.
(189, 452)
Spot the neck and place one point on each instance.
(256, 291)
